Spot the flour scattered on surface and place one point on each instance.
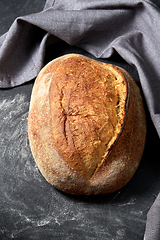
(29, 205)
(14, 146)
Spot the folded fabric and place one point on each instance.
(100, 27)
(153, 221)
(130, 28)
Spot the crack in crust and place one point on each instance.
(64, 114)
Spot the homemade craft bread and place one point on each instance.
(86, 125)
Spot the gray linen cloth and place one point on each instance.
(131, 28)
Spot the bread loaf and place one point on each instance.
(86, 125)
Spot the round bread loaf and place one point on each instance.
(86, 125)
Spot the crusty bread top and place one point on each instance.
(86, 125)
(87, 103)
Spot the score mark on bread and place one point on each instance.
(84, 121)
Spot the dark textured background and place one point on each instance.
(30, 208)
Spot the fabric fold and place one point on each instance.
(48, 4)
(152, 231)
(98, 27)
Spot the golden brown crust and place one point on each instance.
(86, 125)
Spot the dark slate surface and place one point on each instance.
(30, 208)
